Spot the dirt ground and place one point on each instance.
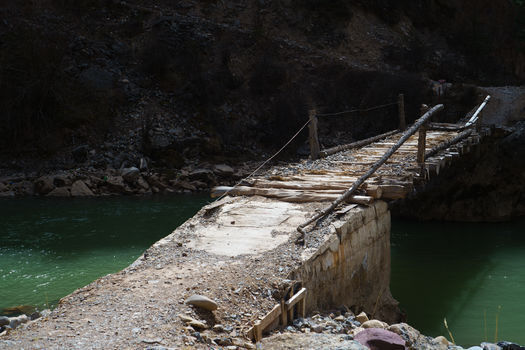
(140, 307)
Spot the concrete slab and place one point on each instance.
(249, 225)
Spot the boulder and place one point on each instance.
(80, 189)
(202, 302)
(374, 324)
(223, 169)
(441, 340)
(361, 318)
(409, 333)
(4, 320)
(143, 164)
(24, 188)
(116, 184)
(205, 175)
(61, 181)
(380, 339)
(142, 183)
(130, 174)
(60, 192)
(44, 185)
(505, 345)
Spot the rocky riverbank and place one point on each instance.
(133, 180)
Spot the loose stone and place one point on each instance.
(202, 302)
(361, 318)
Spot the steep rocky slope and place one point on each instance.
(184, 82)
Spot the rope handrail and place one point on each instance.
(265, 162)
(356, 110)
(343, 197)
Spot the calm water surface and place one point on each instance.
(464, 272)
(50, 247)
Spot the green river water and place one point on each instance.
(50, 247)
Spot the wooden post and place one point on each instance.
(421, 141)
(401, 109)
(284, 313)
(314, 140)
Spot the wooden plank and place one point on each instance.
(284, 314)
(357, 144)
(296, 298)
(260, 326)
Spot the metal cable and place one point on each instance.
(265, 162)
(355, 110)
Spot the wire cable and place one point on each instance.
(265, 162)
(355, 110)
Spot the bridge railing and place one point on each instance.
(346, 195)
(421, 126)
(316, 152)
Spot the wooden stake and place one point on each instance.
(421, 140)
(314, 140)
(401, 108)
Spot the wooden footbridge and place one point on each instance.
(242, 251)
(388, 166)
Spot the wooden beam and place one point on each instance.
(357, 144)
(260, 326)
(296, 298)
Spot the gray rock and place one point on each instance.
(130, 174)
(3, 187)
(24, 188)
(4, 320)
(80, 189)
(35, 315)
(202, 302)
(143, 164)
(205, 175)
(505, 345)
(475, 348)
(44, 185)
(61, 181)
(490, 346)
(59, 192)
(7, 194)
(223, 169)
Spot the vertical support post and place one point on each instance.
(291, 309)
(284, 313)
(314, 140)
(302, 306)
(401, 109)
(421, 142)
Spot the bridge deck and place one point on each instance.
(326, 179)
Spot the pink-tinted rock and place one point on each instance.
(380, 339)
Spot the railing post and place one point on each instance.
(421, 141)
(314, 140)
(401, 109)
(478, 122)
